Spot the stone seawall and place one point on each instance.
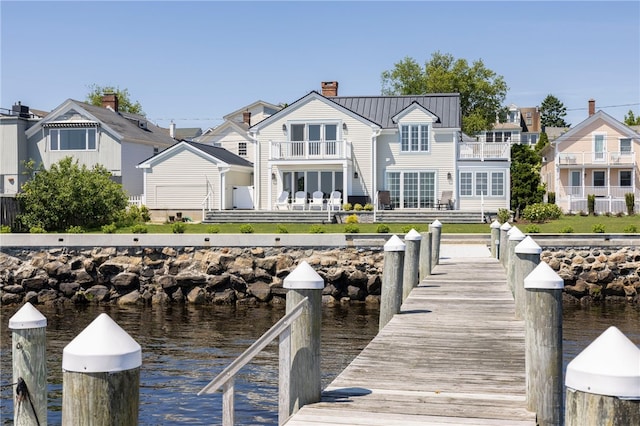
(253, 276)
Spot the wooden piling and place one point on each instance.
(525, 258)
(503, 253)
(101, 376)
(436, 235)
(543, 344)
(495, 238)
(392, 278)
(304, 374)
(514, 237)
(425, 256)
(603, 382)
(411, 261)
(28, 352)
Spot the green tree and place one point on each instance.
(543, 141)
(526, 188)
(482, 91)
(71, 195)
(94, 97)
(631, 120)
(552, 112)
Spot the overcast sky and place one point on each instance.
(194, 62)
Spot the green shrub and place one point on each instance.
(567, 230)
(352, 228)
(591, 204)
(213, 229)
(109, 229)
(541, 212)
(532, 229)
(504, 215)
(178, 228)
(5, 229)
(75, 230)
(281, 229)
(358, 207)
(353, 218)
(347, 207)
(246, 228)
(36, 230)
(407, 228)
(383, 229)
(630, 201)
(139, 229)
(551, 197)
(631, 229)
(598, 228)
(368, 207)
(316, 229)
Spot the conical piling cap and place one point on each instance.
(304, 277)
(395, 244)
(413, 235)
(610, 366)
(27, 317)
(495, 224)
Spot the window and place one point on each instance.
(414, 138)
(72, 139)
(415, 189)
(481, 183)
(598, 147)
(625, 178)
(466, 184)
(598, 178)
(242, 149)
(625, 145)
(497, 184)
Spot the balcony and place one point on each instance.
(615, 158)
(309, 150)
(482, 151)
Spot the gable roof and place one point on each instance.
(251, 106)
(215, 153)
(124, 125)
(622, 128)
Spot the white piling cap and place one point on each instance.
(413, 235)
(304, 277)
(436, 224)
(505, 226)
(495, 224)
(544, 277)
(27, 317)
(619, 376)
(102, 347)
(528, 246)
(515, 234)
(395, 244)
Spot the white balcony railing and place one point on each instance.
(316, 150)
(614, 158)
(484, 151)
(598, 191)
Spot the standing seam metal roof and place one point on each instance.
(381, 109)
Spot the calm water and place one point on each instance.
(183, 348)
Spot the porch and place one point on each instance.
(482, 151)
(309, 150)
(607, 199)
(597, 159)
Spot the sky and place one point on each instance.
(194, 62)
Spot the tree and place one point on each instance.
(631, 120)
(552, 112)
(94, 97)
(70, 195)
(482, 91)
(543, 141)
(525, 178)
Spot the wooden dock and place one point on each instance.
(455, 355)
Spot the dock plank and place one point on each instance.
(454, 355)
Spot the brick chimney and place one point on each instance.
(246, 118)
(110, 100)
(329, 88)
(592, 107)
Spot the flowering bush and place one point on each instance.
(541, 212)
(352, 218)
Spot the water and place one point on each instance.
(184, 347)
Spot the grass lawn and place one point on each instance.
(577, 224)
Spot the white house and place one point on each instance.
(411, 146)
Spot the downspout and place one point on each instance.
(256, 168)
(374, 171)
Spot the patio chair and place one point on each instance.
(335, 201)
(317, 200)
(299, 200)
(445, 201)
(282, 203)
(384, 200)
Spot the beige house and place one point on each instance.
(600, 157)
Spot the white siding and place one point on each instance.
(13, 151)
(180, 182)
